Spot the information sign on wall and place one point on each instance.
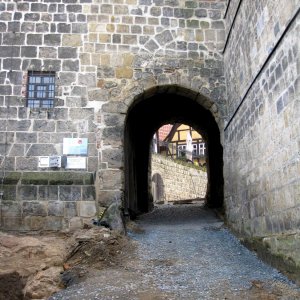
(75, 146)
(76, 162)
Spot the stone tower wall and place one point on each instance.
(104, 53)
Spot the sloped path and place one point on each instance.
(184, 252)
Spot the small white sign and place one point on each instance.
(44, 162)
(76, 162)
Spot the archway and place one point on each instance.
(144, 117)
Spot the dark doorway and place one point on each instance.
(144, 117)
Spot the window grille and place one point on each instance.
(40, 89)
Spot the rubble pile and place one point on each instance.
(35, 267)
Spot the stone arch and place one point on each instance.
(146, 112)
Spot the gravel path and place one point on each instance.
(184, 252)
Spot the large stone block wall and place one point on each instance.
(258, 27)
(47, 201)
(173, 181)
(262, 138)
(105, 54)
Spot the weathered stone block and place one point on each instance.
(42, 150)
(43, 27)
(63, 28)
(5, 16)
(21, 6)
(34, 208)
(87, 79)
(39, 7)
(17, 150)
(114, 119)
(10, 209)
(15, 77)
(71, 40)
(8, 112)
(56, 208)
(12, 223)
(43, 125)
(9, 51)
(110, 179)
(52, 64)
(52, 39)
(28, 51)
(79, 28)
(13, 38)
(88, 193)
(48, 192)
(70, 193)
(25, 137)
(114, 157)
(74, 8)
(31, 63)
(65, 126)
(11, 64)
(87, 209)
(60, 17)
(164, 37)
(124, 72)
(9, 192)
(97, 95)
(32, 17)
(106, 8)
(5, 89)
(92, 164)
(217, 25)
(70, 209)
(47, 52)
(106, 198)
(15, 125)
(105, 72)
(27, 192)
(27, 163)
(34, 39)
(183, 13)
(151, 45)
(214, 14)
(81, 113)
(67, 52)
(67, 78)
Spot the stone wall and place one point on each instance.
(262, 137)
(47, 201)
(173, 181)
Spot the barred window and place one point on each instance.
(40, 89)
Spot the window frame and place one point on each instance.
(40, 92)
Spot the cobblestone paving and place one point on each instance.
(185, 252)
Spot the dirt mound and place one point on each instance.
(95, 248)
(35, 267)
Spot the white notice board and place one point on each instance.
(75, 146)
(76, 162)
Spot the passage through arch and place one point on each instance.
(145, 116)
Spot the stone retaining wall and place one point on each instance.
(173, 181)
(47, 201)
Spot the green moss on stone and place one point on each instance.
(12, 178)
(35, 178)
